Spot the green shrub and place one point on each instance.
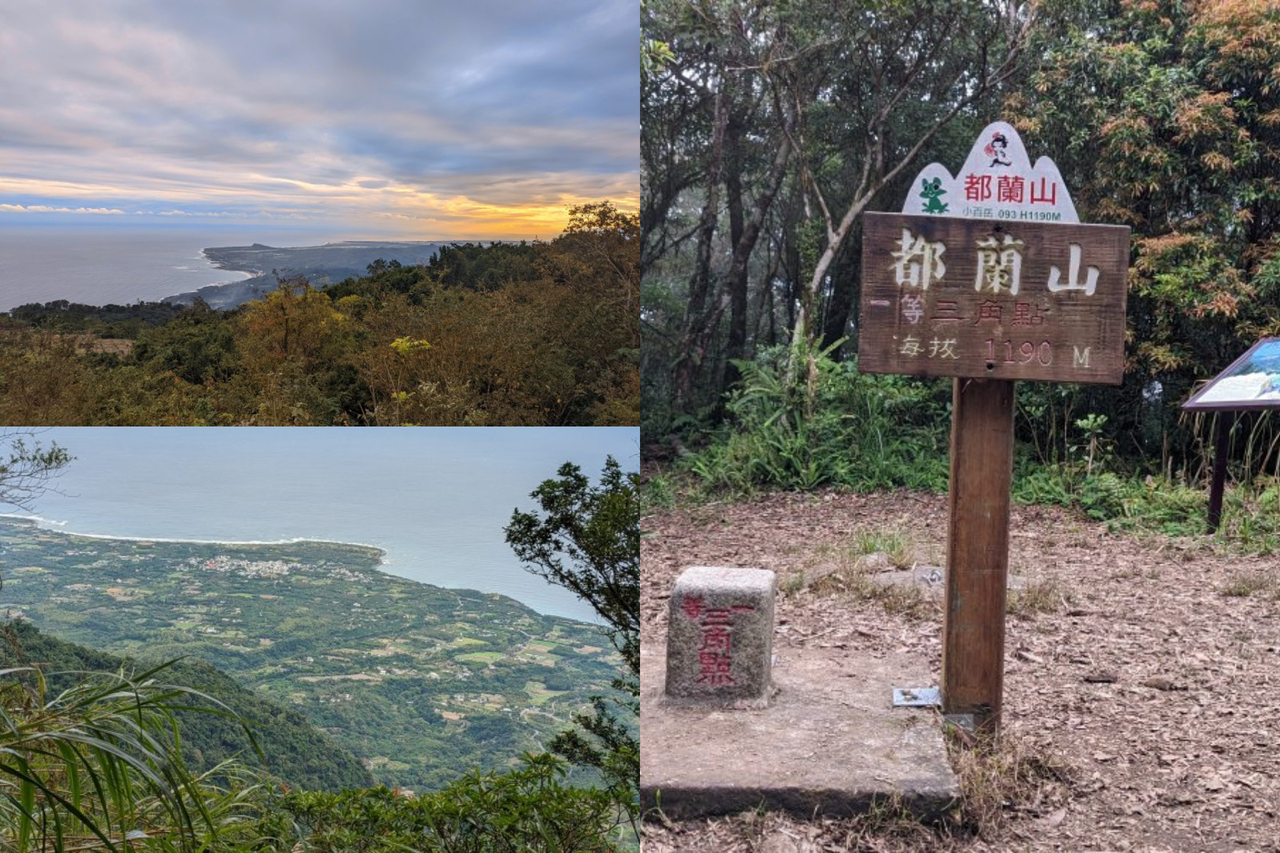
(527, 810)
(1104, 496)
(798, 422)
(1042, 484)
(657, 493)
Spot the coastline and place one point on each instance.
(377, 553)
(321, 265)
(58, 527)
(226, 266)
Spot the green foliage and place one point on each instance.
(108, 321)
(1162, 116)
(526, 810)
(1104, 496)
(541, 334)
(768, 128)
(1126, 502)
(1251, 516)
(894, 544)
(587, 539)
(658, 493)
(196, 346)
(1041, 484)
(371, 659)
(834, 426)
(98, 766)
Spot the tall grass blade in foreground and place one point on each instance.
(99, 767)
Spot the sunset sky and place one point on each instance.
(482, 119)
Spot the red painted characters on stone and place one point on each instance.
(715, 652)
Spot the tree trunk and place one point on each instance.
(740, 266)
(844, 291)
(737, 279)
(696, 339)
(764, 306)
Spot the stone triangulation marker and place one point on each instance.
(720, 636)
(724, 727)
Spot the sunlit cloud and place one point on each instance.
(483, 120)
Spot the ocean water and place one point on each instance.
(435, 499)
(118, 264)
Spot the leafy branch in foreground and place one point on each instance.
(587, 540)
(28, 467)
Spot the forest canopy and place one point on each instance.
(771, 127)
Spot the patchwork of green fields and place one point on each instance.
(417, 680)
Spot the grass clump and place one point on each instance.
(897, 547)
(855, 583)
(803, 421)
(658, 493)
(856, 571)
(792, 583)
(1003, 776)
(1037, 597)
(1244, 585)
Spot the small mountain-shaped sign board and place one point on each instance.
(997, 181)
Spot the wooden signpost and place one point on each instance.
(992, 300)
(987, 280)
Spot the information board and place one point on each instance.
(1251, 382)
(944, 296)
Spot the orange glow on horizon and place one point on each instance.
(400, 210)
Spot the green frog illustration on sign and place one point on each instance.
(932, 192)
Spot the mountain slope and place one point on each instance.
(292, 748)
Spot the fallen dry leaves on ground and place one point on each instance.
(1157, 689)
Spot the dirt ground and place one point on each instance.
(1144, 669)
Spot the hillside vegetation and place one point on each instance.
(542, 334)
(288, 747)
(455, 690)
(416, 680)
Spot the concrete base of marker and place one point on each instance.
(831, 743)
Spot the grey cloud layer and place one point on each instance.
(439, 96)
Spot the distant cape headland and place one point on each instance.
(320, 265)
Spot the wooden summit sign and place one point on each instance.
(988, 277)
(944, 296)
